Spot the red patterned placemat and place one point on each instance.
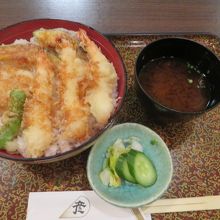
(194, 146)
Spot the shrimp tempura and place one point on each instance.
(37, 133)
(72, 72)
(102, 93)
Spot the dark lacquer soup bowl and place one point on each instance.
(177, 79)
(24, 30)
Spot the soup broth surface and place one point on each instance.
(176, 84)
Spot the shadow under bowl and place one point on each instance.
(205, 61)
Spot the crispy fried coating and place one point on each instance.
(73, 113)
(20, 55)
(13, 78)
(37, 123)
(16, 70)
(101, 94)
(54, 39)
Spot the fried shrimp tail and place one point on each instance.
(102, 92)
(37, 133)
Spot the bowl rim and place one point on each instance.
(141, 53)
(86, 144)
(122, 204)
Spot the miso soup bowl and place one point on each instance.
(196, 54)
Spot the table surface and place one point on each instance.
(120, 16)
(108, 17)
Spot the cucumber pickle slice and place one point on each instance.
(141, 168)
(123, 170)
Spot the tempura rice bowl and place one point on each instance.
(24, 30)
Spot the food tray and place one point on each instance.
(194, 146)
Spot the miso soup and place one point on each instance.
(175, 84)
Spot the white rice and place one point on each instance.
(21, 41)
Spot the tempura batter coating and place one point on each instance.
(73, 112)
(16, 70)
(20, 55)
(13, 78)
(37, 131)
(101, 94)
